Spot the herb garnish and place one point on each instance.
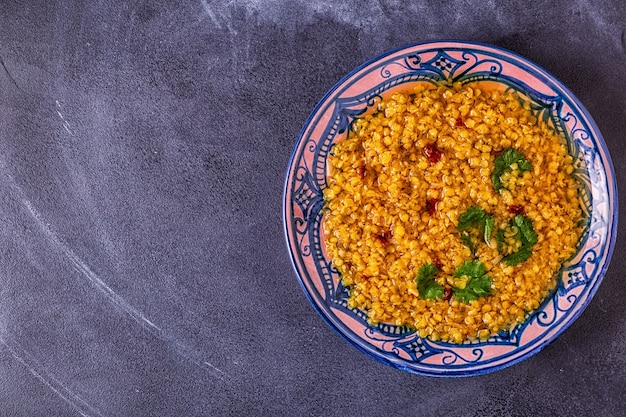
(518, 257)
(478, 284)
(500, 239)
(529, 237)
(526, 236)
(475, 217)
(504, 162)
(467, 241)
(489, 225)
(427, 287)
(472, 273)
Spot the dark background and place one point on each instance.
(143, 149)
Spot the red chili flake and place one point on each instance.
(384, 237)
(459, 122)
(497, 152)
(361, 171)
(447, 293)
(431, 205)
(516, 209)
(432, 153)
(437, 263)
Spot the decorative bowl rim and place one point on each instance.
(528, 67)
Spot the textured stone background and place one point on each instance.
(143, 148)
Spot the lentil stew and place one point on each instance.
(450, 210)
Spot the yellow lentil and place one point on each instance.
(379, 228)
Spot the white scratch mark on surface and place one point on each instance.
(601, 24)
(215, 368)
(80, 266)
(84, 269)
(50, 381)
(66, 124)
(209, 11)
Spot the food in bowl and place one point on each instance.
(450, 210)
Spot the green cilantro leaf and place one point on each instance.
(525, 225)
(471, 217)
(503, 163)
(427, 272)
(481, 286)
(427, 287)
(511, 156)
(464, 295)
(500, 239)
(475, 217)
(467, 241)
(432, 291)
(527, 236)
(524, 165)
(473, 269)
(488, 227)
(518, 257)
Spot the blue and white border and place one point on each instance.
(447, 62)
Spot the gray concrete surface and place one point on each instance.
(143, 148)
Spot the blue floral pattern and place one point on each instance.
(448, 63)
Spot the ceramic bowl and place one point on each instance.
(447, 62)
